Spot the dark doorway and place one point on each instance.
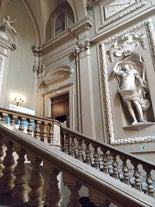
(60, 108)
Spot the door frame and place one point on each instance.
(70, 89)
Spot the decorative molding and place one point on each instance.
(126, 44)
(148, 25)
(151, 34)
(58, 74)
(134, 140)
(116, 6)
(140, 38)
(38, 69)
(123, 14)
(106, 93)
(69, 34)
(82, 47)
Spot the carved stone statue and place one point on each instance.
(132, 86)
(7, 24)
(8, 31)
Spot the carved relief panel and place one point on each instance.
(127, 68)
(109, 14)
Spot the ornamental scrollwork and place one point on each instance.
(81, 47)
(126, 44)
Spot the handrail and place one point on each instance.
(115, 191)
(72, 133)
(28, 116)
(122, 166)
(44, 129)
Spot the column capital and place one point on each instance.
(82, 47)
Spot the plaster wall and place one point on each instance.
(20, 74)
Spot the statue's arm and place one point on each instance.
(117, 70)
(141, 81)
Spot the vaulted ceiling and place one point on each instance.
(40, 11)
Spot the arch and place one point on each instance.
(67, 15)
(34, 22)
(58, 74)
(78, 8)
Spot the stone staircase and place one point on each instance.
(112, 177)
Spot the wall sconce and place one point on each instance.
(19, 101)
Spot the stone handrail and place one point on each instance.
(123, 166)
(44, 129)
(108, 173)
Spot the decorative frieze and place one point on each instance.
(110, 14)
(114, 8)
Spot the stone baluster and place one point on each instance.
(114, 165)
(12, 120)
(80, 150)
(66, 143)
(73, 147)
(149, 181)
(98, 199)
(136, 175)
(74, 187)
(37, 130)
(125, 170)
(105, 160)
(96, 157)
(1, 155)
(87, 151)
(35, 183)
(21, 125)
(29, 128)
(53, 196)
(51, 132)
(7, 179)
(44, 132)
(3, 116)
(20, 189)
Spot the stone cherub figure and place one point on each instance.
(132, 86)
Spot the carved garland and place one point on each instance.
(105, 84)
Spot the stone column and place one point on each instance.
(84, 89)
(38, 73)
